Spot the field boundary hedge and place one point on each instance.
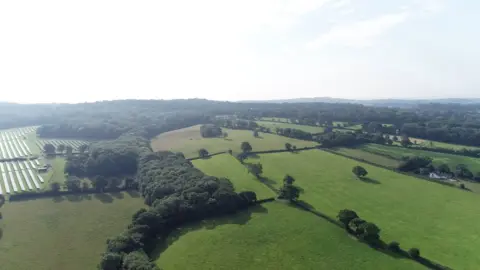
(49, 193)
(207, 156)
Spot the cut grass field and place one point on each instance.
(271, 236)
(434, 218)
(273, 125)
(436, 144)
(227, 166)
(438, 158)
(63, 232)
(369, 157)
(188, 141)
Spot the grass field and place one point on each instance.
(438, 158)
(434, 218)
(370, 157)
(227, 166)
(274, 125)
(275, 119)
(189, 141)
(271, 236)
(435, 144)
(64, 232)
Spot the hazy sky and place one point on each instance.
(75, 51)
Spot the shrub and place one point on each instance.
(414, 253)
(393, 246)
(462, 186)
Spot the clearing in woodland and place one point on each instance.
(436, 219)
(189, 141)
(270, 236)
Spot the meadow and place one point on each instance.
(189, 141)
(270, 236)
(438, 158)
(273, 125)
(229, 167)
(66, 232)
(436, 219)
(368, 156)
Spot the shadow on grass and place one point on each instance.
(369, 180)
(240, 218)
(133, 193)
(104, 197)
(117, 195)
(267, 181)
(253, 156)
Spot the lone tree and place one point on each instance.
(443, 168)
(256, 169)
(255, 133)
(203, 152)
(55, 187)
(69, 150)
(288, 180)
(225, 134)
(405, 142)
(289, 192)
(345, 216)
(246, 147)
(49, 148)
(288, 146)
(82, 148)
(61, 148)
(359, 171)
(414, 253)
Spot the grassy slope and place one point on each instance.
(68, 234)
(438, 158)
(273, 125)
(189, 141)
(271, 236)
(377, 159)
(227, 166)
(437, 219)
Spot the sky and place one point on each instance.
(78, 51)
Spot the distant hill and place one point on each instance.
(374, 102)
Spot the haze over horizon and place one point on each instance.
(65, 52)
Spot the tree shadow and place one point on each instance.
(267, 181)
(259, 137)
(103, 197)
(58, 199)
(369, 180)
(228, 139)
(133, 193)
(253, 156)
(303, 204)
(239, 218)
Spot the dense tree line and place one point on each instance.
(294, 133)
(176, 193)
(210, 130)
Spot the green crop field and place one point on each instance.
(274, 125)
(438, 158)
(271, 236)
(229, 167)
(436, 219)
(370, 157)
(64, 232)
(189, 141)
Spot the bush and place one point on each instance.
(414, 253)
(393, 246)
(462, 186)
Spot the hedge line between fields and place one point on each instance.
(207, 156)
(49, 193)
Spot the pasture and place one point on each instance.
(227, 166)
(368, 156)
(270, 236)
(63, 232)
(189, 141)
(434, 218)
(438, 158)
(273, 125)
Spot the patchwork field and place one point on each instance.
(438, 158)
(227, 166)
(63, 232)
(434, 218)
(274, 125)
(189, 141)
(271, 236)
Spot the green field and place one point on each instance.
(438, 158)
(229, 167)
(369, 157)
(271, 236)
(416, 213)
(275, 119)
(63, 232)
(417, 142)
(189, 141)
(273, 125)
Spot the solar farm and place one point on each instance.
(19, 164)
